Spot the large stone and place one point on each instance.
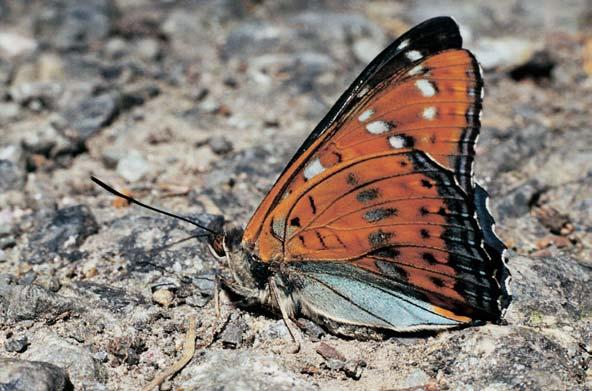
(61, 234)
(75, 25)
(21, 375)
(235, 370)
(12, 177)
(77, 360)
(90, 115)
(30, 302)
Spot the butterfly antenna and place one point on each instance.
(132, 200)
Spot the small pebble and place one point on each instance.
(16, 344)
(164, 297)
(133, 166)
(329, 352)
(220, 145)
(101, 356)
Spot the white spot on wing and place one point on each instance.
(415, 70)
(397, 142)
(413, 55)
(426, 88)
(365, 116)
(378, 127)
(403, 44)
(429, 113)
(313, 168)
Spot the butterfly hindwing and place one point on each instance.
(397, 215)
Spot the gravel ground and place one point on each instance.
(195, 106)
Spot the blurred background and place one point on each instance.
(195, 106)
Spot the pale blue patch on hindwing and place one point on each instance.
(348, 299)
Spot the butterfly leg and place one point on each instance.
(217, 296)
(280, 303)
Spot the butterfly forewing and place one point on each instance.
(431, 36)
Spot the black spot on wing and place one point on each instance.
(378, 214)
(392, 270)
(352, 179)
(427, 184)
(429, 258)
(385, 252)
(313, 207)
(367, 195)
(379, 238)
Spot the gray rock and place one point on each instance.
(13, 153)
(311, 328)
(415, 379)
(346, 28)
(205, 283)
(220, 145)
(233, 334)
(147, 49)
(539, 348)
(30, 302)
(15, 45)
(366, 49)
(186, 30)
(16, 344)
(518, 201)
(144, 242)
(522, 145)
(6, 68)
(61, 234)
(301, 33)
(138, 95)
(75, 25)
(132, 167)
(6, 241)
(111, 156)
(504, 53)
(41, 141)
(91, 114)
(9, 111)
(116, 47)
(111, 297)
(256, 37)
(12, 177)
(45, 93)
(21, 375)
(238, 370)
(77, 360)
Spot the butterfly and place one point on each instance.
(377, 222)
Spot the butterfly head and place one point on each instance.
(226, 242)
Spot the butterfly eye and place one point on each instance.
(217, 245)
